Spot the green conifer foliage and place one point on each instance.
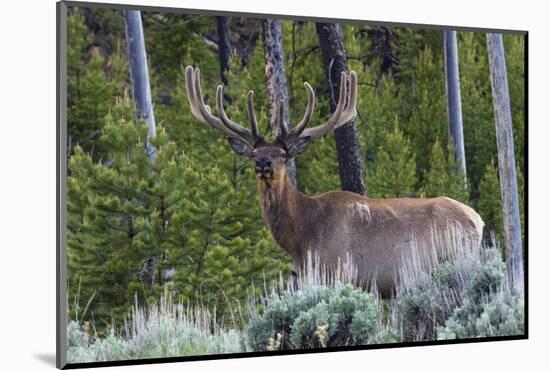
(378, 107)
(175, 40)
(411, 44)
(303, 63)
(90, 91)
(490, 203)
(428, 117)
(521, 195)
(77, 40)
(514, 47)
(106, 253)
(217, 242)
(317, 168)
(442, 178)
(137, 228)
(378, 101)
(477, 108)
(190, 222)
(393, 174)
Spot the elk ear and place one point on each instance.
(240, 147)
(299, 146)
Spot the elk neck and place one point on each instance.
(282, 205)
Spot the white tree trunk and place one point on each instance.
(506, 158)
(454, 105)
(139, 74)
(141, 92)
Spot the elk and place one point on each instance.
(378, 234)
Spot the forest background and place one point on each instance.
(191, 222)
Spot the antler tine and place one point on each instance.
(350, 110)
(191, 95)
(233, 126)
(202, 111)
(299, 128)
(198, 107)
(340, 113)
(252, 115)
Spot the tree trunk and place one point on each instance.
(224, 51)
(276, 79)
(139, 75)
(384, 45)
(506, 159)
(454, 105)
(141, 92)
(350, 163)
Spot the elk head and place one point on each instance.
(271, 157)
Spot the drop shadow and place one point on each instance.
(47, 358)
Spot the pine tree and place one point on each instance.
(477, 108)
(89, 90)
(428, 118)
(127, 215)
(106, 253)
(175, 40)
(490, 204)
(515, 61)
(442, 178)
(393, 175)
(216, 245)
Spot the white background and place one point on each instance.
(27, 182)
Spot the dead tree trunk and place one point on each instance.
(350, 162)
(454, 105)
(139, 75)
(506, 158)
(224, 51)
(276, 78)
(141, 92)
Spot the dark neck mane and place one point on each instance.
(281, 205)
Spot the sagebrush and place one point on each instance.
(469, 297)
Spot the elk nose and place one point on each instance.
(263, 165)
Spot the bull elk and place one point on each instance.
(377, 233)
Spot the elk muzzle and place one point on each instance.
(264, 168)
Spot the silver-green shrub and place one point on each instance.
(469, 297)
(318, 316)
(465, 298)
(500, 314)
(487, 277)
(490, 306)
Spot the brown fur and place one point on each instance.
(377, 233)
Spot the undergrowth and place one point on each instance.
(469, 297)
